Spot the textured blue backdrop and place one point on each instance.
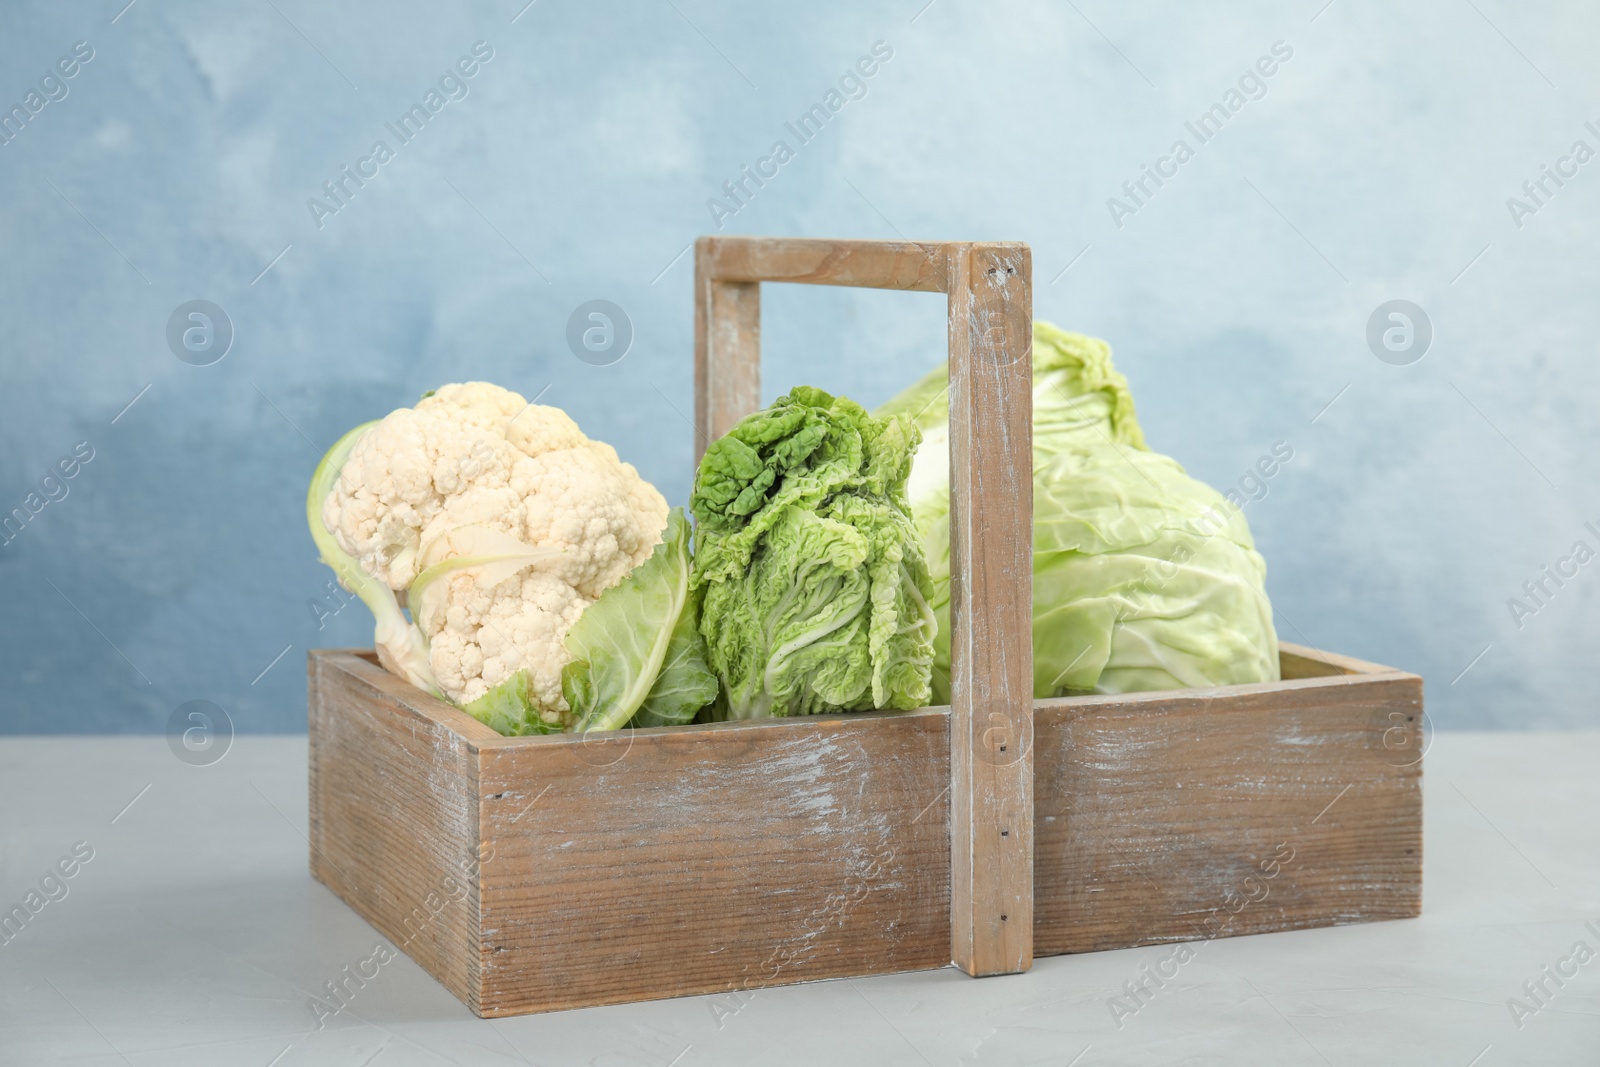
(1375, 162)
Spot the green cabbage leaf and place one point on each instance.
(1143, 577)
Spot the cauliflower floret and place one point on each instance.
(425, 469)
(478, 455)
(588, 501)
(486, 635)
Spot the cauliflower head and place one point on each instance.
(476, 457)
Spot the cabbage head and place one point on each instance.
(814, 590)
(1143, 577)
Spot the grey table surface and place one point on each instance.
(194, 935)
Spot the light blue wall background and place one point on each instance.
(1377, 166)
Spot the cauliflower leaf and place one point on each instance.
(512, 710)
(637, 654)
(400, 646)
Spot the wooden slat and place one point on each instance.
(727, 350)
(905, 265)
(1298, 661)
(659, 863)
(394, 812)
(991, 615)
(1160, 818)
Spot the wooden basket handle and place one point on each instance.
(990, 290)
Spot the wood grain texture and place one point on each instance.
(1169, 816)
(991, 608)
(906, 265)
(1296, 661)
(394, 811)
(668, 862)
(657, 863)
(727, 350)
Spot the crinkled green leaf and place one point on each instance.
(815, 592)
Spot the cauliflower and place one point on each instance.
(502, 519)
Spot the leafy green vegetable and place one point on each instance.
(637, 654)
(1143, 578)
(815, 591)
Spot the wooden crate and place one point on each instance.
(708, 859)
(539, 873)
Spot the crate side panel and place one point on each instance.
(393, 823)
(1293, 666)
(665, 863)
(1299, 661)
(1228, 815)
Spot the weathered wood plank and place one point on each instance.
(727, 350)
(1189, 815)
(1298, 661)
(991, 612)
(666, 862)
(905, 265)
(990, 344)
(393, 818)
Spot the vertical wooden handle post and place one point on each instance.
(990, 293)
(991, 609)
(727, 354)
